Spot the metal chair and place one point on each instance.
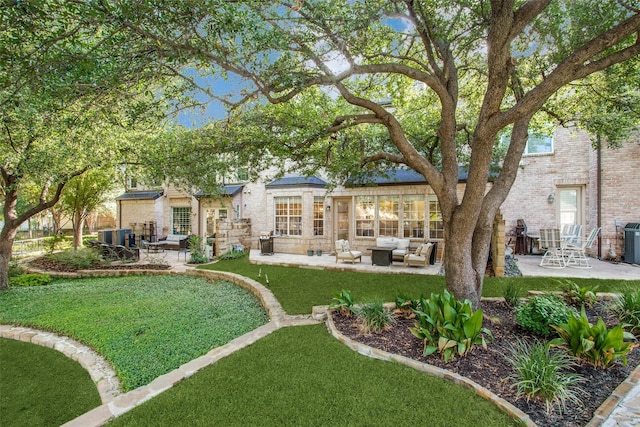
(577, 252)
(554, 248)
(183, 247)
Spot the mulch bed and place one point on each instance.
(491, 370)
(45, 264)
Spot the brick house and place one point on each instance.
(557, 184)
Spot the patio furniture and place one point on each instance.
(577, 252)
(521, 237)
(400, 246)
(421, 257)
(183, 248)
(382, 255)
(571, 233)
(344, 252)
(554, 248)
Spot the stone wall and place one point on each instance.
(498, 245)
(232, 232)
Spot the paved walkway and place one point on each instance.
(621, 409)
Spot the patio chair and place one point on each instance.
(421, 257)
(554, 248)
(571, 233)
(577, 252)
(344, 252)
(183, 248)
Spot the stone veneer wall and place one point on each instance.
(232, 232)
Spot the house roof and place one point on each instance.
(297, 181)
(140, 195)
(399, 176)
(225, 190)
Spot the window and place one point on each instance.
(436, 225)
(242, 174)
(288, 216)
(388, 216)
(365, 215)
(537, 144)
(413, 216)
(318, 216)
(181, 220)
(133, 183)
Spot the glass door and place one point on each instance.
(342, 218)
(570, 210)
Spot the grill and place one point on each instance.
(266, 243)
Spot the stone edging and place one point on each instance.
(100, 371)
(375, 353)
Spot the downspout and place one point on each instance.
(119, 214)
(599, 197)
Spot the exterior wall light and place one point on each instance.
(551, 198)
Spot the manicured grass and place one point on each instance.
(299, 289)
(145, 326)
(41, 386)
(303, 377)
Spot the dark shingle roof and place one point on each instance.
(140, 195)
(399, 176)
(225, 190)
(297, 181)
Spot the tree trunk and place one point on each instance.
(78, 225)
(6, 247)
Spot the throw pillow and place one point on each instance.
(419, 250)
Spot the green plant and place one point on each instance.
(197, 255)
(405, 305)
(594, 344)
(57, 242)
(448, 326)
(626, 308)
(343, 302)
(577, 295)
(541, 374)
(540, 312)
(25, 280)
(14, 269)
(82, 258)
(511, 294)
(231, 255)
(374, 318)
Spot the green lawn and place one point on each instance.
(302, 376)
(145, 326)
(41, 387)
(299, 289)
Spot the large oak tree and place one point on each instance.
(488, 66)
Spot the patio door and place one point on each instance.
(570, 206)
(342, 218)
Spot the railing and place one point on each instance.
(28, 246)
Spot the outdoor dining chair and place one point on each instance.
(554, 248)
(577, 252)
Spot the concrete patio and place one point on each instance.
(528, 264)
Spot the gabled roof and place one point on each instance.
(140, 195)
(225, 190)
(297, 181)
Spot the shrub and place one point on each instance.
(626, 308)
(448, 326)
(232, 255)
(511, 294)
(540, 312)
(373, 318)
(576, 295)
(405, 305)
(343, 302)
(25, 280)
(14, 269)
(594, 344)
(541, 374)
(57, 242)
(197, 255)
(82, 258)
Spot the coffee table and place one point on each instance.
(381, 255)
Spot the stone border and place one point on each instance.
(120, 404)
(100, 371)
(375, 353)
